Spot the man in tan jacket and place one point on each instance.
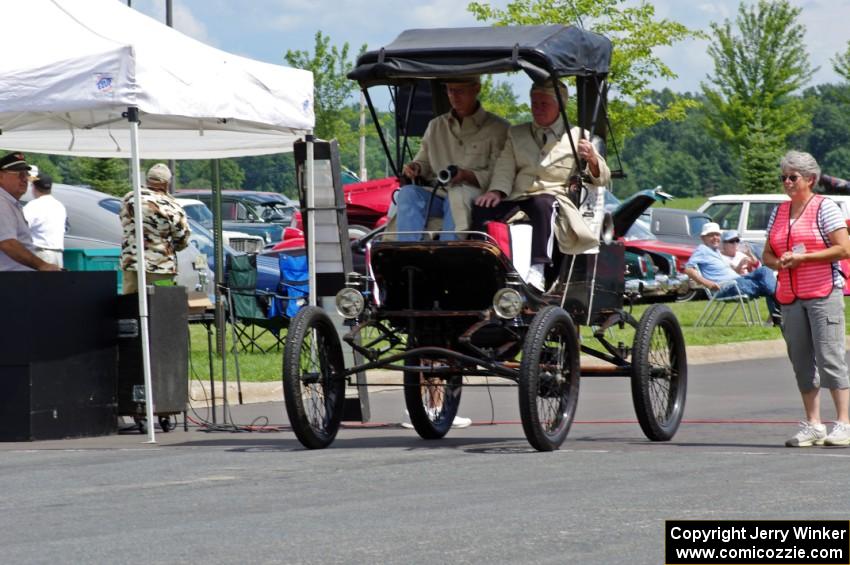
(467, 137)
(533, 175)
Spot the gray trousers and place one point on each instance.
(814, 335)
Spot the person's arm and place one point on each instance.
(421, 164)
(501, 184)
(699, 279)
(596, 165)
(769, 258)
(838, 250)
(17, 252)
(465, 176)
(180, 232)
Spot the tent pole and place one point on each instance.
(133, 118)
(311, 220)
(218, 236)
(218, 250)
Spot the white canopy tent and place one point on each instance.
(107, 81)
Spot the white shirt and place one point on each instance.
(13, 226)
(46, 217)
(735, 261)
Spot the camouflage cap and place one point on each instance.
(159, 173)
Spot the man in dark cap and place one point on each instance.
(17, 252)
(46, 217)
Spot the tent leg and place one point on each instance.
(133, 118)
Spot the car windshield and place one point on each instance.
(639, 230)
(111, 204)
(275, 211)
(695, 224)
(200, 213)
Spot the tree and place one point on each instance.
(106, 175)
(757, 68)
(676, 155)
(760, 159)
(830, 132)
(635, 33)
(499, 98)
(198, 174)
(333, 89)
(841, 63)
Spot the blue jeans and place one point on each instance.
(761, 282)
(410, 216)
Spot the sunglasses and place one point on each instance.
(792, 178)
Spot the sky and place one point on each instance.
(266, 29)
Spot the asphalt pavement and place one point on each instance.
(380, 494)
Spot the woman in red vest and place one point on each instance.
(807, 237)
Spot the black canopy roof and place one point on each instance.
(540, 51)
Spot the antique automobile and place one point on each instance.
(440, 311)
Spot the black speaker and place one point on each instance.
(58, 355)
(168, 322)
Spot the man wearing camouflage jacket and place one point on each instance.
(166, 231)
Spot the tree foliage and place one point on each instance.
(199, 174)
(499, 98)
(678, 156)
(107, 175)
(333, 90)
(829, 138)
(760, 159)
(841, 63)
(635, 32)
(759, 63)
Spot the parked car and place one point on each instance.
(749, 213)
(240, 212)
(366, 203)
(664, 261)
(675, 225)
(93, 223)
(239, 241)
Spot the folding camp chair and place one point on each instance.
(740, 302)
(293, 291)
(256, 328)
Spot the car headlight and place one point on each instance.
(507, 303)
(349, 303)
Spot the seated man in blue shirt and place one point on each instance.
(708, 268)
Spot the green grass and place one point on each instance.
(690, 203)
(259, 367)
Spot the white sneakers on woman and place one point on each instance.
(815, 434)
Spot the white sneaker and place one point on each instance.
(840, 435)
(808, 435)
(405, 421)
(536, 278)
(461, 422)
